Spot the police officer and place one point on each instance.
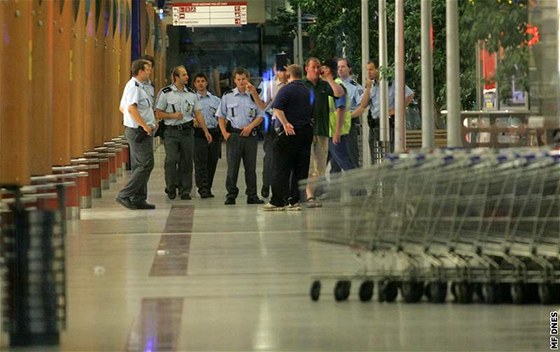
(206, 154)
(149, 86)
(354, 92)
(239, 116)
(139, 122)
(179, 107)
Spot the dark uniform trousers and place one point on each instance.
(241, 148)
(178, 165)
(206, 159)
(141, 163)
(291, 155)
(269, 136)
(352, 142)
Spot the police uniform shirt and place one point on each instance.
(238, 108)
(150, 89)
(269, 90)
(134, 93)
(374, 105)
(171, 99)
(354, 91)
(209, 104)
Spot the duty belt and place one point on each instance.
(184, 126)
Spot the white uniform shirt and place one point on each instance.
(134, 94)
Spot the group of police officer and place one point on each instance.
(192, 124)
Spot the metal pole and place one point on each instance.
(366, 155)
(300, 36)
(453, 82)
(399, 77)
(383, 84)
(428, 139)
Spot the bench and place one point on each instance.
(414, 139)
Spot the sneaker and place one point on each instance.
(126, 202)
(186, 197)
(294, 207)
(142, 204)
(272, 207)
(255, 201)
(230, 201)
(313, 203)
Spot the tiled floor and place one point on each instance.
(199, 276)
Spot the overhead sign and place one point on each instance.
(206, 14)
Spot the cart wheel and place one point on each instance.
(315, 291)
(366, 291)
(342, 290)
(491, 293)
(438, 291)
(464, 292)
(412, 291)
(546, 293)
(387, 291)
(517, 293)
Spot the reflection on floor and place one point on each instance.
(200, 276)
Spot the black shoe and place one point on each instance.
(142, 204)
(171, 195)
(230, 201)
(265, 191)
(186, 196)
(126, 202)
(255, 201)
(206, 195)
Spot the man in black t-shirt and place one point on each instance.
(293, 106)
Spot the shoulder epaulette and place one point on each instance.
(189, 89)
(166, 89)
(153, 85)
(228, 91)
(354, 83)
(136, 84)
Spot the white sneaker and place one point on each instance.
(271, 207)
(293, 207)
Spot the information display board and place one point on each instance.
(210, 14)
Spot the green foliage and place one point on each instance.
(496, 21)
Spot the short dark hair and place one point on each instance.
(200, 75)
(374, 63)
(331, 64)
(149, 58)
(345, 59)
(138, 65)
(241, 71)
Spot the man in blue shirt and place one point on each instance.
(139, 122)
(239, 117)
(206, 154)
(178, 107)
(293, 107)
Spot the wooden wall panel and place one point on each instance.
(90, 79)
(14, 98)
(41, 93)
(61, 82)
(98, 82)
(77, 81)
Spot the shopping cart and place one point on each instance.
(488, 223)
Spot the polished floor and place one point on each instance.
(201, 276)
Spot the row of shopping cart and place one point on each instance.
(480, 224)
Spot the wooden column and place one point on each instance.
(89, 78)
(77, 81)
(61, 82)
(98, 81)
(14, 95)
(41, 93)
